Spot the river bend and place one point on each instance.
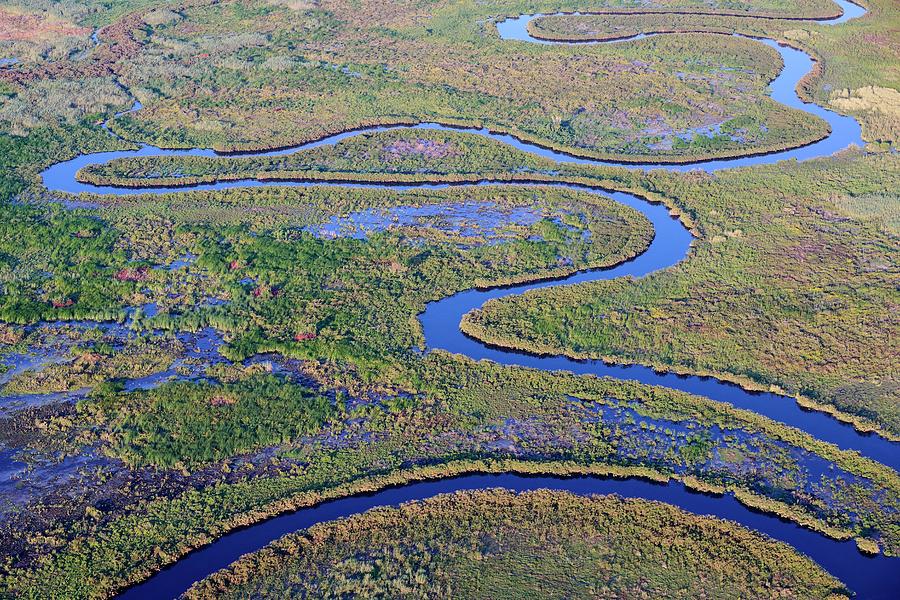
(871, 577)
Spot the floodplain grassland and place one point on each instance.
(393, 156)
(327, 282)
(787, 288)
(855, 72)
(432, 418)
(542, 544)
(297, 76)
(274, 59)
(315, 274)
(82, 13)
(805, 343)
(422, 423)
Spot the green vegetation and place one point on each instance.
(83, 12)
(390, 156)
(749, 221)
(22, 158)
(855, 73)
(188, 423)
(348, 297)
(426, 418)
(286, 83)
(447, 416)
(311, 294)
(782, 290)
(496, 544)
(96, 364)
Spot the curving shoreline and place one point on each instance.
(672, 240)
(670, 245)
(870, 577)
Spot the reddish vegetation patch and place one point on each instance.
(426, 148)
(119, 43)
(265, 291)
(222, 401)
(62, 303)
(128, 274)
(8, 335)
(234, 265)
(31, 28)
(802, 252)
(88, 360)
(884, 40)
(304, 337)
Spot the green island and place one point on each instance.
(178, 362)
(496, 544)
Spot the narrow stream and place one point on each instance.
(871, 577)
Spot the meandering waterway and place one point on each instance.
(871, 577)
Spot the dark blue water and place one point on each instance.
(870, 577)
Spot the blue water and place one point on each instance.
(470, 219)
(670, 245)
(845, 131)
(870, 577)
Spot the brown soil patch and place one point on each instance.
(22, 27)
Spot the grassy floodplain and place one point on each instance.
(141, 422)
(281, 323)
(748, 222)
(855, 72)
(498, 420)
(295, 75)
(419, 416)
(795, 288)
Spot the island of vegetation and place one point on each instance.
(496, 544)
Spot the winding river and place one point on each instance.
(871, 577)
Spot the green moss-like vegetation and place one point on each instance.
(187, 423)
(496, 544)
(288, 282)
